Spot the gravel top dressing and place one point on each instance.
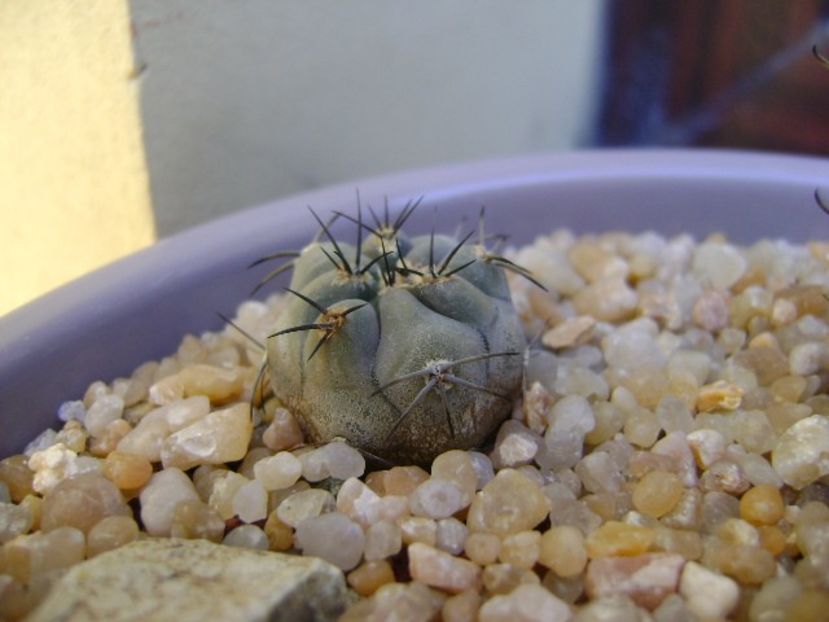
(668, 458)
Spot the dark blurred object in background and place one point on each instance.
(717, 73)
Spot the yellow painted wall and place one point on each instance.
(74, 190)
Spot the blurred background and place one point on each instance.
(125, 121)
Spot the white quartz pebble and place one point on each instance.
(801, 455)
(219, 437)
(303, 505)
(103, 411)
(359, 502)
(436, 498)
(250, 503)
(707, 593)
(383, 539)
(247, 536)
(333, 537)
(720, 265)
(160, 496)
(451, 535)
(279, 471)
(526, 603)
(147, 438)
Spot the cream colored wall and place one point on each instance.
(73, 181)
(247, 100)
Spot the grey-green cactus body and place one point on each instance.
(452, 336)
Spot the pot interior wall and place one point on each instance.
(105, 324)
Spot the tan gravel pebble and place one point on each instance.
(402, 481)
(515, 445)
(28, 556)
(801, 455)
(73, 436)
(436, 499)
(16, 474)
(749, 564)
(279, 471)
(657, 493)
(247, 537)
(280, 535)
(721, 265)
(711, 311)
(370, 577)
(607, 300)
(147, 438)
(333, 537)
(762, 505)
(719, 395)
(102, 412)
(508, 504)
(193, 519)
(14, 521)
(110, 533)
(646, 579)
(305, 504)
(451, 535)
(81, 502)
(520, 549)
(442, 570)
(159, 499)
(504, 578)
(562, 550)
(216, 383)
(710, 440)
(283, 432)
(106, 444)
(223, 489)
(166, 390)
(359, 502)
(219, 437)
(462, 607)
(403, 602)
(383, 539)
(570, 332)
(418, 529)
(593, 262)
(616, 538)
(456, 466)
(527, 603)
(250, 503)
(127, 471)
(482, 548)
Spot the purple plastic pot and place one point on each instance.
(105, 324)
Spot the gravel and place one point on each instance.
(669, 458)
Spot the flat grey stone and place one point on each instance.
(195, 580)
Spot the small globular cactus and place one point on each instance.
(406, 347)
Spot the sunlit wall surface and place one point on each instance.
(74, 192)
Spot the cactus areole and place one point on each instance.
(405, 347)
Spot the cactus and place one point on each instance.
(406, 347)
